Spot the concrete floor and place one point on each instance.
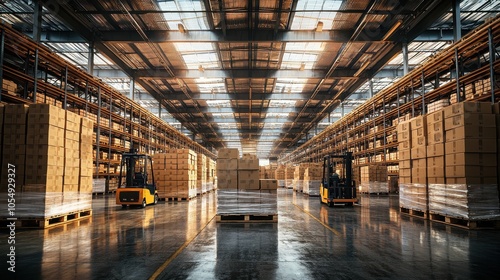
(180, 240)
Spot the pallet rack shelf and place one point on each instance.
(119, 123)
(374, 121)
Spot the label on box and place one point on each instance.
(434, 117)
(467, 107)
(469, 119)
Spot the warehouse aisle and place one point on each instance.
(311, 241)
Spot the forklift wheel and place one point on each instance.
(143, 203)
(330, 203)
(156, 199)
(124, 205)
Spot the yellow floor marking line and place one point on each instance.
(325, 225)
(177, 252)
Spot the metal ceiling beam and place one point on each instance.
(243, 73)
(244, 96)
(217, 36)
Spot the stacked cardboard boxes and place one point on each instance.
(9, 87)
(471, 164)
(298, 177)
(279, 174)
(289, 176)
(262, 172)
(86, 158)
(227, 168)
(248, 172)
(373, 179)
(201, 170)
(419, 150)
(313, 175)
(435, 147)
(186, 173)
(240, 190)
(45, 140)
(14, 143)
(164, 177)
(211, 174)
(404, 151)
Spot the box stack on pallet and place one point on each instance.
(270, 171)
(186, 173)
(279, 174)
(312, 179)
(201, 170)
(99, 186)
(298, 177)
(262, 172)
(43, 143)
(412, 195)
(289, 176)
(86, 159)
(175, 174)
(461, 167)
(373, 179)
(245, 199)
(227, 169)
(164, 175)
(470, 192)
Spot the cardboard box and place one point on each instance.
(404, 172)
(404, 154)
(419, 163)
(478, 159)
(436, 172)
(403, 126)
(436, 180)
(404, 145)
(268, 184)
(470, 171)
(418, 122)
(435, 117)
(471, 180)
(435, 137)
(404, 164)
(435, 150)
(404, 136)
(467, 107)
(248, 164)
(228, 153)
(435, 127)
(471, 131)
(438, 161)
(483, 120)
(471, 145)
(419, 152)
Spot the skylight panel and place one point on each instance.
(191, 14)
(310, 12)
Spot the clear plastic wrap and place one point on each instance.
(470, 202)
(209, 186)
(98, 185)
(281, 183)
(289, 183)
(311, 187)
(46, 205)
(298, 185)
(373, 187)
(247, 202)
(413, 196)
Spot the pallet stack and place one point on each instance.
(373, 179)
(53, 173)
(201, 170)
(289, 176)
(247, 198)
(470, 191)
(313, 175)
(298, 177)
(279, 174)
(9, 87)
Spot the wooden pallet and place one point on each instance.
(414, 213)
(375, 193)
(312, 195)
(246, 218)
(48, 222)
(176, 198)
(464, 223)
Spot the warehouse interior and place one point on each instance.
(235, 107)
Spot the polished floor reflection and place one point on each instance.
(180, 240)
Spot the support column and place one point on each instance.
(132, 88)
(457, 73)
(37, 22)
(90, 62)
(491, 47)
(405, 59)
(2, 44)
(423, 93)
(457, 24)
(370, 87)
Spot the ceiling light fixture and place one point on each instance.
(302, 66)
(181, 28)
(392, 30)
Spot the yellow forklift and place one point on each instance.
(338, 188)
(136, 182)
